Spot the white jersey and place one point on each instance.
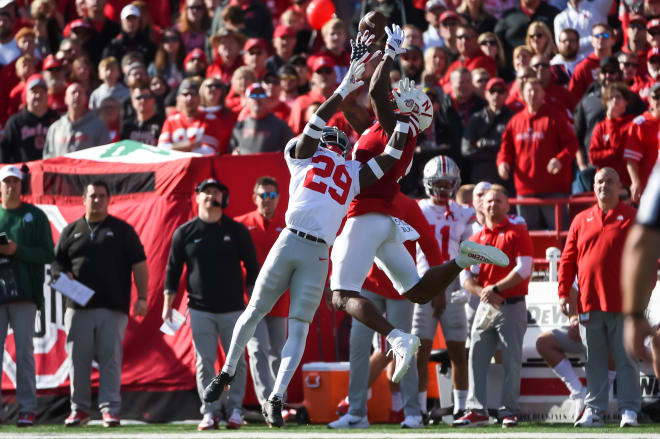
(320, 191)
(450, 228)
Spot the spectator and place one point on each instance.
(480, 78)
(602, 40)
(555, 95)
(299, 62)
(257, 18)
(25, 68)
(436, 61)
(643, 87)
(594, 244)
(78, 129)
(334, 35)
(323, 83)
(190, 129)
(109, 74)
(474, 14)
(109, 112)
(289, 83)
(261, 131)
(412, 36)
(215, 290)
(55, 78)
(100, 251)
(160, 89)
(521, 57)
(168, 60)
(284, 42)
(463, 95)
(265, 348)
(483, 134)
(26, 42)
(24, 135)
(412, 64)
(641, 151)
(242, 78)
(84, 74)
(539, 39)
(227, 58)
(502, 292)
(212, 100)
(9, 50)
(195, 63)
(653, 33)
(582, 16)
(136, 74)
(146, 123)
(255, 54)
(104, 29)
(568, 55)
(491, 46)
(69, 50)
(449, 21)
(271, 83)
(636, 40)
(538, 146)
(432, 35)
(511, 28)
(29, 248)
(131, 38)
(629, 66)
(514, 101)
(471, 56)
(194, 23)
(297, 20)
(81, 32)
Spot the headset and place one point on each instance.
(223, 189)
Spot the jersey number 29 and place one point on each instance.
(339, 174)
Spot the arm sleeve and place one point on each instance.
(524, 266)
(175, 263)
(568, 262)
(42, 251)
(597, 149)
(248, 255)
(634, 150)
(134, 248)
(165, 138)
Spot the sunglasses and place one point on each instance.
(325, 70)
(272, 81)
(257, 95)
(602, 35)
(463, 36)
(267, 195)
(214, 85)
(142, 97)
(289, 77)
(255, 52)
(171, 39)
(628, 64)
(488, 43)
(497, 90)
(545, 65)
(449, 23)
(654, 61)
(536, 35)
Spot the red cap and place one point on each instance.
(195, 53)
(50, 62)
(317, 62)
(492, 82)
(637, 18)
(652, 53)
(653, 23)
(284, 31)
(450, 14)
(79, 23)
(255, 42)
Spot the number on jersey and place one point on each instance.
(444, 241)
(339, 175)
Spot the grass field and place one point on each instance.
(184, 431)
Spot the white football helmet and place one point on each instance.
(425, 110)
(441, 168)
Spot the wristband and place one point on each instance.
(312, 132)
(401, 127)
(375, 168)
(317, 121)
(497, 290)
(393, 152)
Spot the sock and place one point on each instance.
(397, 401)
(565, 372)
(611, 375)
(421, 396)
(460, 398)
(243, 331)
(291, 355)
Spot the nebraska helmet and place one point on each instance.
(441, 168)
(425, 109)
(335, 140)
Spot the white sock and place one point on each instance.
(243, 331)
(397, 401)
(291, 355)
(421, 396)
(611, 375)
(565, 372)
(460, 398)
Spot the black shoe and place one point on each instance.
(216, 387)
(272, 411)
(459, 414)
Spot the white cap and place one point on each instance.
(481, 186)
(10, 171)
(5, 3)
(130, 10)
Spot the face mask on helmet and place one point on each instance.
(335, 140)
(441, 178)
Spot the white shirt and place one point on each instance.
(432, 38)
(582, 20)
(320, 191)
(568, 65)
(9, 52)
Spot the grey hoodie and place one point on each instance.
(64, 137)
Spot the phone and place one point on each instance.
(3, 238)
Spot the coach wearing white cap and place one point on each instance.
(131, 38)
(26, 245)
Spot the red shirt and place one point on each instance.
(514, 241)
(264, 234)
(281, 110)
(643, 144)
(585, 73)
(379, 197)
(643, 88)
(296, 119)
(529, 142)
(555, 95)
(342, 61)
(608, 141)
(217, 68)
(593, 252)
(16, 99)
(471, 63)
(203, 126)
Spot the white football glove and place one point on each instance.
(404, 96)
(394, 43)
(351, 81)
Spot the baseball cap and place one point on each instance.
(481, 186)
(187, 86)
(637, 18)
(23, 32)
(297, 60)
(653, 23)
(51, 62)
(130, 10)
(449, 14)
(79, 24)
(284, 31)
(226, 33)
(10, 171)
(270, 76)
(255, 42)
(652, 53)
(609, 62)
(255, 91)
(35, 80)
(494, 82)
(134, 65)
(318, 62)
(287, 70)
(430, 4)
(196, 53)
(209, 182)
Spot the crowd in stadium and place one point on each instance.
(541, 99)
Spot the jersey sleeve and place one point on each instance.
(649, 207)
(634, 150)
(289, 155)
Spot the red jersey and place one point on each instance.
(643, 88)
(643, 144)
(224, 72)
(514, 241)
(529, 142)
(608, 140)
(585, 73)
(471, 63)
(379, 197)
(593, 252)
(377, 281)
(264, 234)
(203, 127)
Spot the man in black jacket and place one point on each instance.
(212, 245)
(131, 39)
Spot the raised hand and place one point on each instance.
(352, 81)
(361, 44)
(404, 96)
(394, 43)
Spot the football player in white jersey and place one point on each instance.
(323, 183)
(452, 223)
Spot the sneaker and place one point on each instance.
(471, 253)
(459, 414)
(209, 422)
(412, 422)
(235, 421)
(25, 419)
(628, 419)
(216, 387)
(590, 418)
(342, 407)
(509, 421)
(405, 347)
(110, 420)
(350, 421)
(76, 418)
(396, 417)
(471, 419)
(272, 411)
(578, 408)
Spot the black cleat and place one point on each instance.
(272, 411)
(216, 387)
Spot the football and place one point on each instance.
(375, 23)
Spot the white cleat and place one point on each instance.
(412, 422)
(472, 253)
(405, 347)
(590, 419)
(628, 419)
(350, 421)
(578, 408)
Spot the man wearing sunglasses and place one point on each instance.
(582, 16)
(143, 126)
(602, 40)
(471, 56)
(643, 87)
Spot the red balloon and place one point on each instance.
(319, 12)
